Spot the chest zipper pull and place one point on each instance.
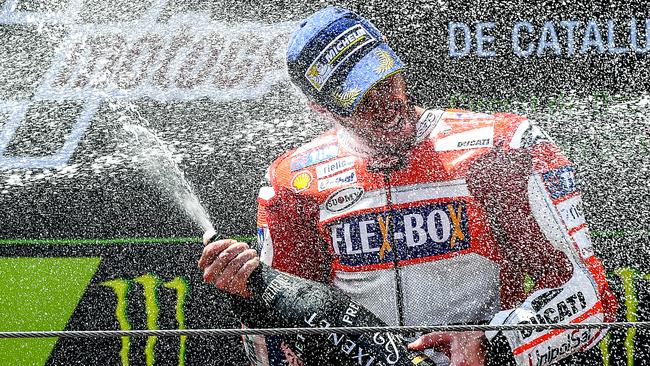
(390, 237)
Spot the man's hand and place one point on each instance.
(227, 264)
(462, 348)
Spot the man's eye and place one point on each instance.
(369, 106)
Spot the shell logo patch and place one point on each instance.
(301, 181)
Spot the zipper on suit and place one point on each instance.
(390, 236)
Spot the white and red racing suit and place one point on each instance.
(482, 206)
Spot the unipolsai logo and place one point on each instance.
(185, 58)
(149, 284)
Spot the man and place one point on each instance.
(424, 217)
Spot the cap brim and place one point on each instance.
(375, 66)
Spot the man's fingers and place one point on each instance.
(221, 260)
(230, 271)
(416, 345)
(212, 250)
(463, 348)
(430, 340)
(227, 264)
(216, 262)
(241, 278)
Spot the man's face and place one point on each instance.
(385, 119)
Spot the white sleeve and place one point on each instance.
(559, 215)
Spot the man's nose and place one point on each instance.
(396, 105)
(391, 109)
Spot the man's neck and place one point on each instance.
(376, 160)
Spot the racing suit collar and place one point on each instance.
(353, 143)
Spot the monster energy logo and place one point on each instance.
(629, 277)
(150, 285)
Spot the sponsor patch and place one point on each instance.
(338, 180)
(334, 166)
(560, 182)
(469, 144)
(562, 347)
(571, 212)
(314, 157)
(419, 232)
(427, 123)
(301, 181)
(472, 139)
(326, 140)
(337, 51)
(556, 311)
(343, 199)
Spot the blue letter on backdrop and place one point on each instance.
(548, 31)
(453, 48)
(515, 39)
(482, 39)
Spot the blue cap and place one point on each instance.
(335, 56)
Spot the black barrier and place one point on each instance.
(157, 286)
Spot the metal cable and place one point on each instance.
(313, 331)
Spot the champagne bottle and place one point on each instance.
(281, 300)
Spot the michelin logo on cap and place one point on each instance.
(337, 51)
